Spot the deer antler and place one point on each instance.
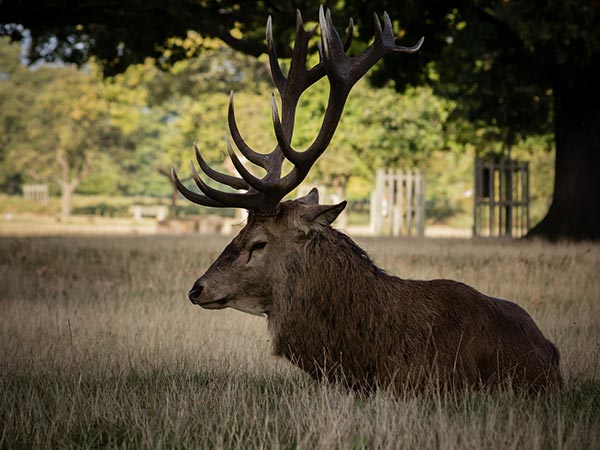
(264, 194)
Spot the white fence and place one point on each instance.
(398, 203)
(37, 193)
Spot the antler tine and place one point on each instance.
(234, 182)
(254, 157)
(300, 25)
(388, 39)
(278, 78)
(331, 43)
(292, 155)
(349, 35)
(378, 30)
(248, 200)
(347, 41)
(387, 23)
(221, 197)
(193, 196)
(248, 177)
(299, 78)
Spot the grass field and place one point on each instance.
(99, 348)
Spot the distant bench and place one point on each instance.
(206, 224)
(159, 211)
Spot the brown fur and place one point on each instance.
(336, 315)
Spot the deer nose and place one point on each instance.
(195, 291)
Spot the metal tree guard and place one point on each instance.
(501, 201)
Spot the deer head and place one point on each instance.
(244, 274)
(247, 275)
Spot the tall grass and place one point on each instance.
(99, 348)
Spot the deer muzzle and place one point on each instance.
(195, 292)
(201, 296)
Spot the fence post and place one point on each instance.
(377, 215)
(420, 202)
(492, 220)
(526, 190)
(398, 207)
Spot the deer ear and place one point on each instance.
(311, 198)
(319, 216)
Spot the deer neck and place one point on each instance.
(326, 293)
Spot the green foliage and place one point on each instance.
(56, 126)
(67, 124)
(105, 178)
(164, 112)
(13, 114)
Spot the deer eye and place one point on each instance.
(255, 247)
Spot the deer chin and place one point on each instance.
(250, 305)
(215, 304)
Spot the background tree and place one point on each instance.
(13, 114)
(67, 128)
(163, 112)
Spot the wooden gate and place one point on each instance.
(398, 203)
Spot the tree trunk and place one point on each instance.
(67, 186)
(174, 193)
(67, 190)
(338, 185)
(174, 197)
(575, 210)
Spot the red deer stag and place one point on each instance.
(329, 309)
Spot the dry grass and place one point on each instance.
(99, 348)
